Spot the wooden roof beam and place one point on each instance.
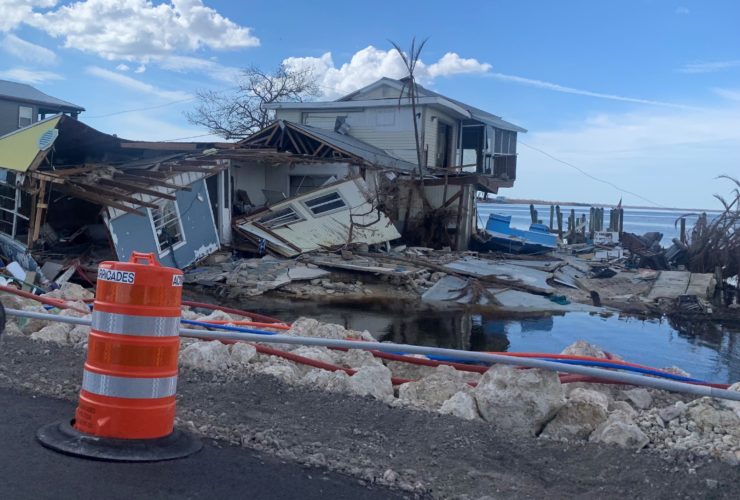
(152, 181)
(137, 189)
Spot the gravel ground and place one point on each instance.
(416, 451)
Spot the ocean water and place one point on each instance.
(707, 350)
(636, 220)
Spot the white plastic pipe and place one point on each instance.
(625, 378)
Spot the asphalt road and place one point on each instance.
(219, 470)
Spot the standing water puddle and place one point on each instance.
(707, 350)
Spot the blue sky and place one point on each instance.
(642, 94)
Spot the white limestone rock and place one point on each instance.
(241, 354)
(337, 381)
(640, 397)
(217, 315)
(434, 389)
(733, 405)
(78, 335)
(622, 406)
(57, 333)
(462, 405)
(584, 411)
(583, 348)
(356, 358)
(708, 417)
(520, 401)
(372, 381)
(316, 353)
(12, 329)
(211, 356)
(303, 327)
(286, 372)
(619, 429)
(673, 412)
(70, 292)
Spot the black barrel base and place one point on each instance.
(62, 437)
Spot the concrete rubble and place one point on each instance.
(594, 279)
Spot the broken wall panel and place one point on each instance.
(338, 214)
(195, 238)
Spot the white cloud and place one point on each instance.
(123, 67)
(137, 85)
(15, 12)
(140, 69)
(451, 64)
(731, 94)
(27, 51)
(138, 30)
(29, 75)
(530, 82)
(710, 67)
(670, 157)
(154, 125)
(682, 11)
(370, 64)
(187, 64)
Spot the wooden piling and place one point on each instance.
(533, 214)
(552, 216)
(560, 221)
(683, 230)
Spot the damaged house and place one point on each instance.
(367, 138)
(71, 196)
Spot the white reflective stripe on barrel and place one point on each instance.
(125, 387)
(142, 326)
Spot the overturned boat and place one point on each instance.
(499, 236)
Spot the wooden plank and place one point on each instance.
(192, 168)
(46, 176)
(137, 189)
(155, 182)
(146, 173)
(97, 199)
(114, 195)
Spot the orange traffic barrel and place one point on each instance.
(127, 399)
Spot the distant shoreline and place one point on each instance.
(514, 201)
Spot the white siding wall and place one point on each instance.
(291, 115)
(388, 128)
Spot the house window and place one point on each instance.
(167, 226)
(280, 218)
(25, 116)
(325, 203)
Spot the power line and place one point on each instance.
(143, 109)
(189, 137)
(608, 183)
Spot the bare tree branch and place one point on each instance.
(237, 114)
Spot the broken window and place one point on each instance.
(325, 203)
(14, 206)
(25, 116)
(280, 218)
(167, 226)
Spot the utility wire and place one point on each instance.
(143, 109)
(597, 179)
